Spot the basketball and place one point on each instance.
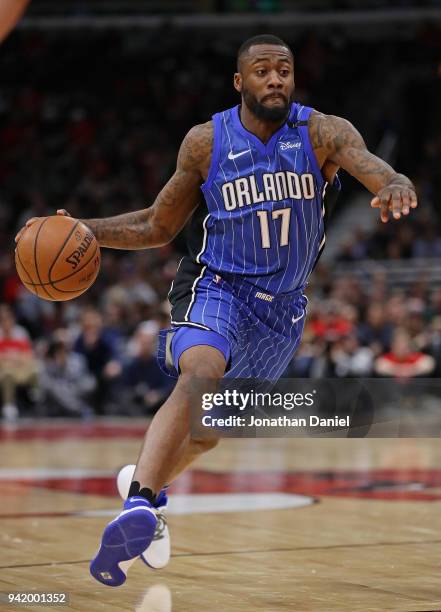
(57, 258)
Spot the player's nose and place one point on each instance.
(275, 80)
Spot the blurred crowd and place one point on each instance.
(94, 127)
(352, 331)
(416, 236)
(93, 366)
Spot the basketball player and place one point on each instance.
(265, 169)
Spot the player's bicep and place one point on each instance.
(181, 195)
(176, 202)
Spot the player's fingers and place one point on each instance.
(19, 235)
(405, 202)
(63, 211)
(413, 199)
(396, 204)
(376, 202)
(384, 198)
(384, 211)
(30, 221)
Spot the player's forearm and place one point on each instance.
(341, 143)
(134, 230)
(374, 173)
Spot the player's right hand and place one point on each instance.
(29, 222)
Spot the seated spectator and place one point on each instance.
(354, 248)
(18, 367)
(101, 356)
(416, 327)
(66, 383)
(330, 323)
(146, 386)
(376, 331)
(403, 361)
(396, 309)
(350, 359)
(311, 360)
(429, 244)
(116, 320)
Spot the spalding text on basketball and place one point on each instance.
(77, 255)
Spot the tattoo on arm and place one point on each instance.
(196, 149)
(336, 139)
(160, 223)
(128, 231)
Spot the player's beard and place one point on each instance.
(273, 114)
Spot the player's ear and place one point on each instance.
(237, 82)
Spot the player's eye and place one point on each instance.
(260, 71)
(284, 73)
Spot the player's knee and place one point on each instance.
(202, 362)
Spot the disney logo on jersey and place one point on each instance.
(290, 145)
(277, 186)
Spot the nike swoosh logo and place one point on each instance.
(232, 155)
(295, 319)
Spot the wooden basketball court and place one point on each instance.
(306, 524)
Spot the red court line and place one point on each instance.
(24, 515)
(74, 430)
(392, 485)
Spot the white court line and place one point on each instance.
(16, 473)
(208, 503)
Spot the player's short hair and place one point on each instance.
(260, 39)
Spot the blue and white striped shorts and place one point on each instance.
(263, 330)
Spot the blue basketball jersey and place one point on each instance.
(265, 210)
(263, 231)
